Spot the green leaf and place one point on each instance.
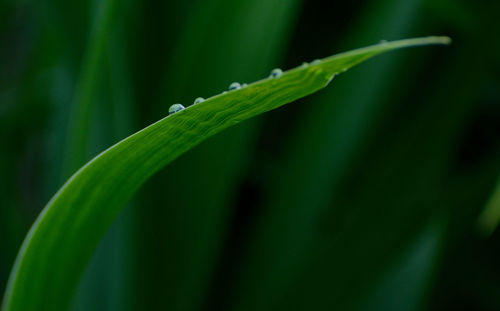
(64, 236)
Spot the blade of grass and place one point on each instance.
(62, 239)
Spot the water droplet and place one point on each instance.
(225, 92)
(305, 64)
(234, 86)
(316, 62)
(276, 73)
(175, 108)
(199, 100)
(244, 85)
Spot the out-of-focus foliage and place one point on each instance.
(489, 218)
(365, 205)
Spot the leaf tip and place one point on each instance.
(445, 40)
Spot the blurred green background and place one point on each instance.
(364, 196)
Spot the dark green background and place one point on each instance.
(364, 196)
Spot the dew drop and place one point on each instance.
(199, 100)
(234, 86)
(305, 64)
(316, 62)
(244, 85)
(175, 108)
(276, 73)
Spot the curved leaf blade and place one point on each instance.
(63, 238)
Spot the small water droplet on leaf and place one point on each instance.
(199, 100)
(276, 73)
(234, 86)
(175, 108)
